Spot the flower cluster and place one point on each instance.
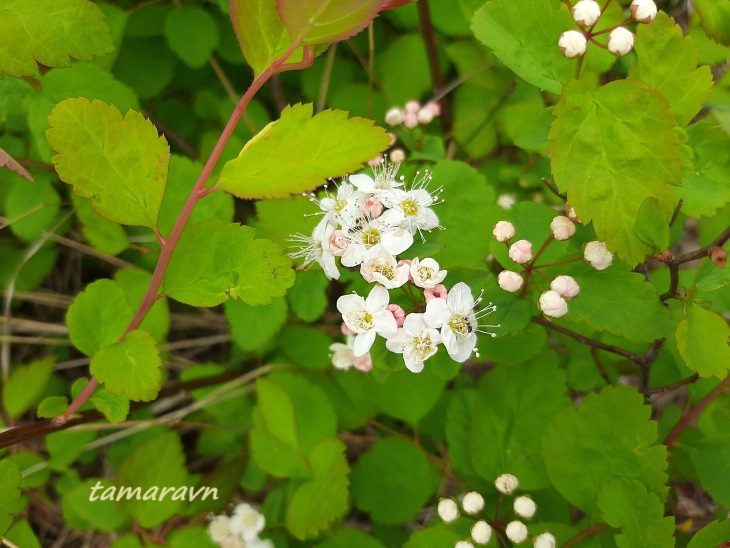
(481, 531)
(586, 14)
(240, 530)
(413, 114)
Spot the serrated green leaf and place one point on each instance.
(712, 534)
(710, 457)
(130, 368)
(614, 147)
(524, 36)
(102, 234)
(9, 493)
(666, 60)
(702, 341)
(626, 505)
(715, 17)
(706, 187)
(114, 407)
(313, 22)
(52, 407)
(318, 501)
(50, 32)
(406, 396)
(326, 145)
(121, 163)
(710, 277)
(652, 227)
(345, 537)
(215, 261)
(25, 386)
(606, 448)
(192, 34)
(392, 481)
(97, 513)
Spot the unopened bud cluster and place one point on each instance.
(240, 530)
(472, 503)
(586, 13)
(413, 114)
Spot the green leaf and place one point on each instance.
(652, 227)
(215, 261)
(50, 32)
(104, 235)
(346, 537)
(308, 297)
(306, 346)
(393, 481)
(405, 395)
(98, 316)
(614, 147)
(666, 60)
(524, 36)
(702, 341)
(32, 212)
(710, 277)
(318, 501)
(253, 327)
(706, 188)
(66, 446)
(313, 22)
(606, 448)
(52, 407)
(712, 534)
(626, 505)
(130, 368)
(26, 386)
(192, 34)
(134, 283)
(715, 17)
(101, 514)
(120, 163)
(709, 457)
(115, 408)
(326, 145)
(9, 493)
(154, 465)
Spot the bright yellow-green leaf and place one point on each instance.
(614, 147)
(715, 17)
(322, 21)
(702, 341)
(115, 408)
(299, 152)
(102, 234)
(52, 406)
(652, 227)
(120, 163)
(50, 32)
(25, 386)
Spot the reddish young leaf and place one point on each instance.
(392, 4)
(313, 22)
(6, 160)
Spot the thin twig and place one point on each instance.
(693, 412)
(324, 84)
(433, 62)
(593, 530)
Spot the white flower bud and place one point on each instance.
(425, 116)
(565, 286)
(473, 502)
(520, 251)
(545, 540)
(447, 510)
(586, 12)
(562, 228)
(572, 43)
(620, 41)
(463, 544)
(643, 11)
(219, 528)
(394, 117)
(410, 120)
(524, 507)
(398, 156)
(597, 255)
(503, 231)
(510, 281)
(506, 484)
(506, 201)
(412, 106)
(552, 304)
(516, 531)
(481, 532)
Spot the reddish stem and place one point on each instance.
(693, 412)
(593, 530)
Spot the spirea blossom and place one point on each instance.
(552, 304)
(524, 507)
(384, 270)
(503, 231)
(562, 228)
(426, 273)
(367, 317)
(510, 281)
(565, 286)
(520, 251)
(473, 503)
(416, 341)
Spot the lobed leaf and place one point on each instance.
(312, 22)
(702, 341)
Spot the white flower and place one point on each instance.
(481, 532)
(545, 540)
(572, 43)
(383, 181)
(368, 237)
(565, 286)
(552, 304)
(426, 273)
(335, 207)
(233, 542)
(463, 544)
(384, 270)
(260, 543)
(620, 41)
(562, 228)
(524, 507)
(447, 510)
(516, 531)
(425, 116)
(344, 358)
(510, 281)
(394, 116)
(586, 12)
(597, 255)
(473, 503)
(457, 320)
(503, 231)
(520, 251)
(506, 484)
(246, 522)
(644, 11)
(316, 249)
(416, 341)
(366, 317)
(412, 208)
(219, 528)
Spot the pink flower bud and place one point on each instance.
(410, 120)
(425, 116)
(398, 156)
(363, 363)
(434, 107)
(346, 330)
(552, 304)
(406, 262)
(572, 43)
(412, 107)
(620, 41)
(597, 255)
(562, 228)
(510, 281)
(438, 292)
(586, 12)
(520, 251)
(565, 286)
(398, 313)
(376, 162)
(643, 11)
(503, 231)
(394, 117)
(338, 243)
(371, 207)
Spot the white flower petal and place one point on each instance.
(437, 312)
(363, 342)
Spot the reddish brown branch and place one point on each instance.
(691, 414)
(593, 530)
